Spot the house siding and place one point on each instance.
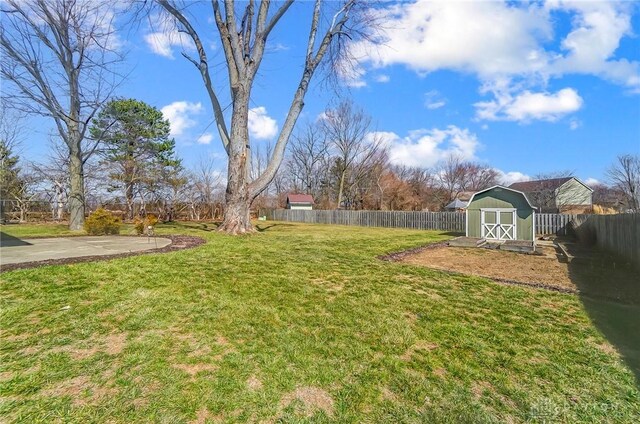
(573, 193)
(504, 199)
(300, 207)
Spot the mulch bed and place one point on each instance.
(177, 243)
(401, 256)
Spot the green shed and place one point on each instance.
(501, 213)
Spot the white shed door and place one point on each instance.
(498, 224)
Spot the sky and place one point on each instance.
(528, 88)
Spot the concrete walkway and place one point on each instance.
(14, 250)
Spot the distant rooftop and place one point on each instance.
(538, 185)
(457, 204)
(300, 198)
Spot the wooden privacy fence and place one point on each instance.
(553, 223)
(546, 223)
(443, 221)
(618, 233)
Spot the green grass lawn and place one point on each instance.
(300, 323)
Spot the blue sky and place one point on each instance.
(526, 88)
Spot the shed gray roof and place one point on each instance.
(456, 204)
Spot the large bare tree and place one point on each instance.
(58, 57)
(244, 32)
(355, 146)
(308, 155)
(624, 174)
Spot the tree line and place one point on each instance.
(337, 159)
(61, 60)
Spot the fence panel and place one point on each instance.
(553, 223)
(443, 221)
(618, 233)
(546, 223)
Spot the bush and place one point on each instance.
(102, 222)
(141, 225)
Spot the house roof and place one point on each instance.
(300, 198)
(539, 185)
(503, 188)
(465, 195)
(456, 204)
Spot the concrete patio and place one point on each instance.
(14, 250)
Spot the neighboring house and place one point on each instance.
(456, 205)
(460, 201)
(300, 201)
(564, 195)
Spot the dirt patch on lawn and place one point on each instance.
(111, 344)
(592, 272)
(536, 270)
(312, 400)
(177, 243)
(81, 391)
(254, 383)
(420, 345)
(193, 369)
(115, 343)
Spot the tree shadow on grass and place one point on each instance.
(264, 228)
(610, 292)
(190, 225)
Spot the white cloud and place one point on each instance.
(518, 45)
(321, 116)
(426, 147)
(433, 100)
(436, 105)
(527, 106)
(162, 43)
(591, 182)
(508, 178)
(351, 75)
(180, 115)
(261, 125)
(165, 36)
(279, 47)
(205, 138)
(382, 78)
(494, 39)
(597, 28)
(486, 38)
(574, 124)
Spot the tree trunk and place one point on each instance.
(59, 202)
(341, 187)
(236, 216)
(237, 213)
(76, 195)
(23, 213)
(129, 199)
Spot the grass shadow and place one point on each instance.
(610, 292)
(7, 240)
(188, 225)
(452, 233)
(266, 227)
